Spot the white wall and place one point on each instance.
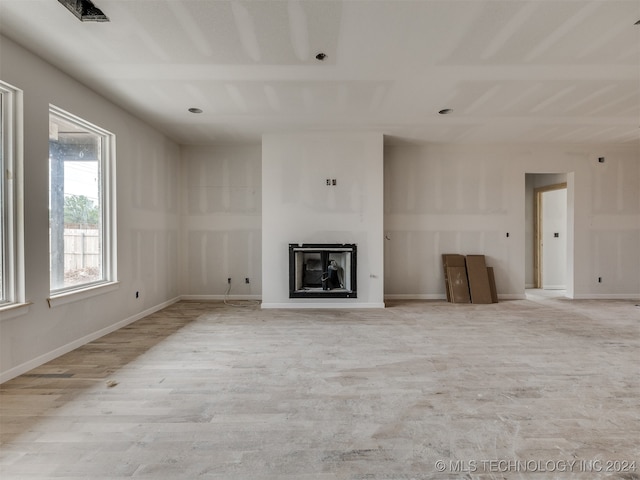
(464, 199)
(298, 207)
(222, 221)
(147, 221)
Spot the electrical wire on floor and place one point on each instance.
(250, 303)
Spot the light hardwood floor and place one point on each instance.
(204, 390)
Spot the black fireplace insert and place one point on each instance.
(322, 270)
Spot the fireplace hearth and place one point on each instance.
(322, 270)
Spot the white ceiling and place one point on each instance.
(512, 70)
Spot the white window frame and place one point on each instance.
(108, 210)
(12, 298)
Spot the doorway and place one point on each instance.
(549, 239)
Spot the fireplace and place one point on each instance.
(322, 270)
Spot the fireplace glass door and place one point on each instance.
(322, 270)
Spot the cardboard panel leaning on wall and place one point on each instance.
(479, 281)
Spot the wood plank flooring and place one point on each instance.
(420, 390)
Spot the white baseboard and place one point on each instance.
(606, 296)
(430, 296)
(512, 296)
(47, 357)
(554, 287)
(220, 298)
(342, 306)
(416, 296)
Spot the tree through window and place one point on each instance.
(80, 214)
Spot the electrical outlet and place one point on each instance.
(246, 280)
(229, 280)
(137, 294)
(599, 279)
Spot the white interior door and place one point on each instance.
(553, 239)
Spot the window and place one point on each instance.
(81, 203)
(11, 238)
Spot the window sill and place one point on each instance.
(14, 310)
(78, 295)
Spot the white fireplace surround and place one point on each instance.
(298, 206)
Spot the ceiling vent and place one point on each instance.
(85, 10)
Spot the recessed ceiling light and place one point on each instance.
(445, 111)
(195, 110)
(321, 56)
